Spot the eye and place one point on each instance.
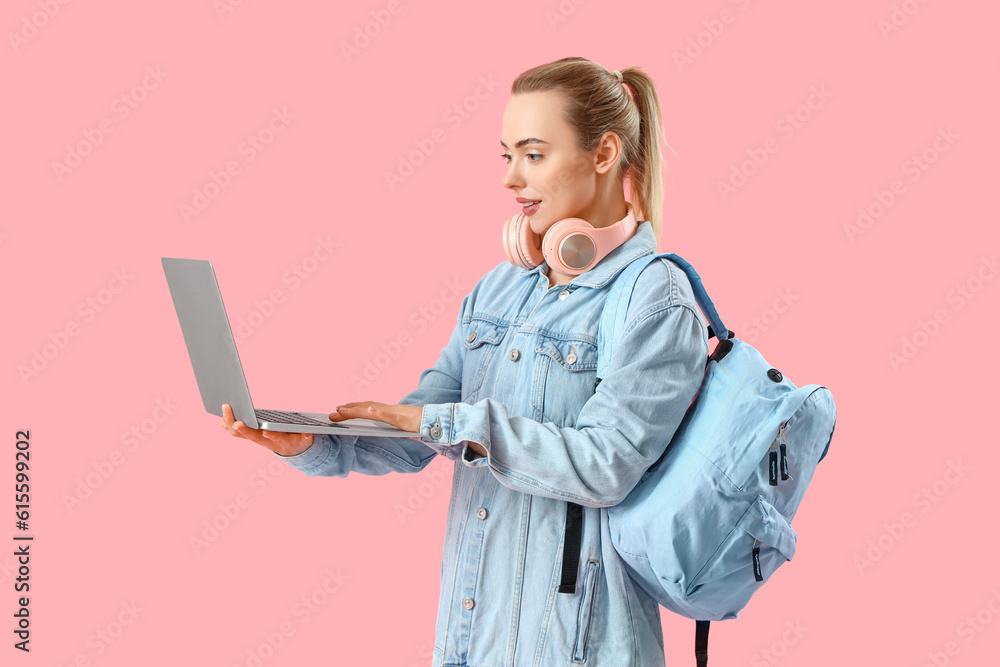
(506, 157)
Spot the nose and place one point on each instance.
(512, 178)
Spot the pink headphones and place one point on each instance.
(571, 246)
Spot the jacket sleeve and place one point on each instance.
(339, 455)
(655, 373)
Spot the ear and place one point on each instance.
(608, 152)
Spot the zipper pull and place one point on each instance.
(772, 465)
(784, 457)
(756, 561)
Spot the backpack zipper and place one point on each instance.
(772, 457)
(757, 575)
(778, 444)
(772, 464)
(784, 458)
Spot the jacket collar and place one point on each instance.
(641, 243)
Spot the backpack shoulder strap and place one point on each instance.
(702, 298)
(609, 331)
(616, 306)
(701, 643)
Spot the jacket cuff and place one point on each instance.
(314, 456)
(471, 457)
(446, 428)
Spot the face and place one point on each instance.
(544, 161)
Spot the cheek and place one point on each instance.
(552, 184)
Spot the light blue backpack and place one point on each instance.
(710, 521)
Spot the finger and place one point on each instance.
(378, 412)
(240, 429)
(280, 442)
(251, 434)
(347, 411)
(228, 422)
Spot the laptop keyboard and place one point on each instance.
(281, 417)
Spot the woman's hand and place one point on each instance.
(285, 444)
(406, 417)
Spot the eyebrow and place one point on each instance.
(522, 142)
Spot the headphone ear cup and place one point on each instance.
(573, 257)
(522, 245)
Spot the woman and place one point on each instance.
(513, 398)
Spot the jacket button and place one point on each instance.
(563, 294)
(481, 512)
(571, 358)
(468, 603)
(435, 431)
(472, 337)
(514, 355)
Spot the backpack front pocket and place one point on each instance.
(759, 543)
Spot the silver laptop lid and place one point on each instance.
(208, 336)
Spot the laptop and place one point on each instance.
(217, 367)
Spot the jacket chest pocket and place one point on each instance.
(482, 338)
(563, 379)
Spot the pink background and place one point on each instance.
(831, 308)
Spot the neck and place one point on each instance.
(607, 207)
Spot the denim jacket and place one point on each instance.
(518, 376)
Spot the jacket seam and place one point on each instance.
(317, 465)
(550, 490)
(631, 617)
(655, 309)
(392, 458)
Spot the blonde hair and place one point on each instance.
(597, 102)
